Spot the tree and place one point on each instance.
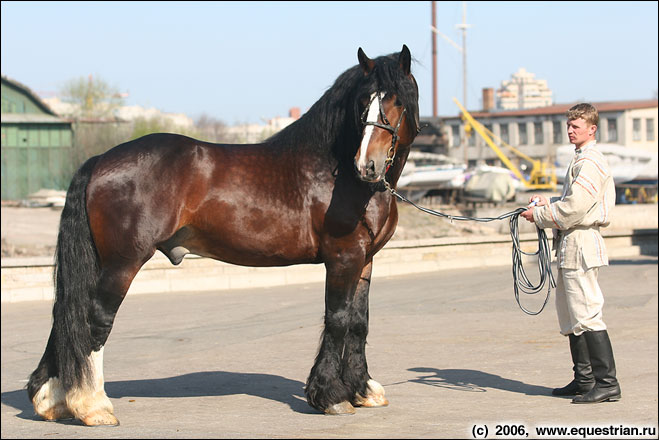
(92, 102)
(158, 124)
(91, 98)
(212, 129)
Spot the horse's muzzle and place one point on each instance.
(367, 172)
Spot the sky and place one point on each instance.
(247, 62)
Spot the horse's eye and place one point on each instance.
(398, 103)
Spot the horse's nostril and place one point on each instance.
(370, 166)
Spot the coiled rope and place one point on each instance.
(520, 279)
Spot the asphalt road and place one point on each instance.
(453, 350)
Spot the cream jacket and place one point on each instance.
(585, 206)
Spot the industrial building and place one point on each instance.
(538, 132)
(36, 143)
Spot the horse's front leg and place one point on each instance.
(326, 389)
(367, 392)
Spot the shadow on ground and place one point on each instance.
(207, 383)
(474, 381)
(629, 262)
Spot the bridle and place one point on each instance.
(385, 125)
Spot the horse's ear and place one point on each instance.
(364, 61)
(405, 60)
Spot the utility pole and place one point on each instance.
(434, 60)
(463, 26)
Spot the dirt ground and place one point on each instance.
(29, 232)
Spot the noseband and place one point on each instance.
(385, 125)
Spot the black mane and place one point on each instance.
(333, 123)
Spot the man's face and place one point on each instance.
(580, 132)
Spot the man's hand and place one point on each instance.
(535, 200)
(528, 214)
(539, 199)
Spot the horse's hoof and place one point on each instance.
(374, 396)
(371, 401)
(100, 419)
(340, 409)
(57, 412)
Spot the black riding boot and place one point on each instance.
(604, 369)
(584, 380)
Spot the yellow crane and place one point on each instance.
(543, 174)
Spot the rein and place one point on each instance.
(520, 279)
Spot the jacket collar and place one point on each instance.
(578, 151)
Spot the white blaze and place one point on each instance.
(371, 116)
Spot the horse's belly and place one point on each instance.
(255, 260)
(260, 254)
(253, 248)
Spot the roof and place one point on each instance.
(32, 118)
(606, 106)
(25, 89)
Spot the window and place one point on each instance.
(455, 135)
(636, 129)
(612, 131)
(503, 131)
(523, 135)
(537, 133)
(557, 127)
(649, 129)
(488, 129)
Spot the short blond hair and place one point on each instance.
(586, 112)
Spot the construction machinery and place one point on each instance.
(542, 175)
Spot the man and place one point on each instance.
(576, 217)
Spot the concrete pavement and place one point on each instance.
(454, 352)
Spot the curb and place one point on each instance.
(30, 279)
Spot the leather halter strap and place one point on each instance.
(385, 125)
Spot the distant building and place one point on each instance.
(36, 143)
(124, 113)
(540, 131)
(133, 112)
(254, 133)
(523, 91)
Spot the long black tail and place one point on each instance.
(76, 275)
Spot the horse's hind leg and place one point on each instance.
(61, 388)
(45, 388)
(368, 392)
(89, 403)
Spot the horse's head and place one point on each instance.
(389, 114)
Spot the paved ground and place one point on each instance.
(453, 351)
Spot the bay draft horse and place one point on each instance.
(312, 193)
